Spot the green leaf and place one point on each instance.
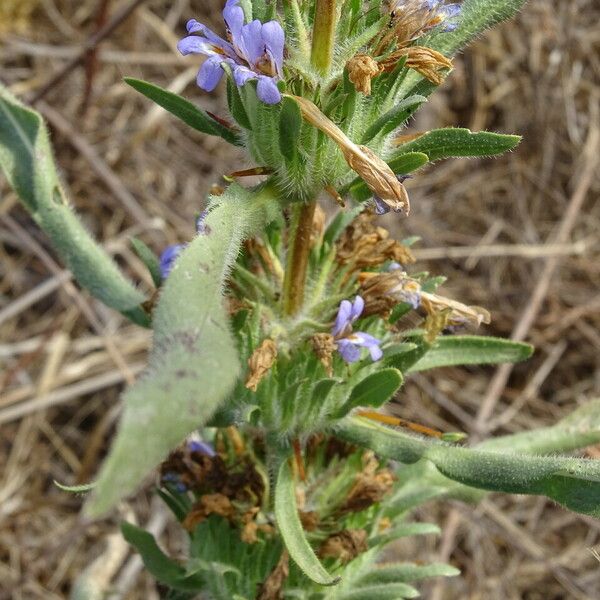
(404, 530)
(454, 141)
(572, 482)
(471, 350)
(184, 110)
(341, 220)
(193, 365)
(290, 123)
(149, 259)
(401, 165)
(579, 429)
(374, 390)
(288, 522)
(394, 118)
(160, 566)
(388, 591)
(236, 105)
(27, 162)
(405, 572)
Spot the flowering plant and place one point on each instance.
(278, 338)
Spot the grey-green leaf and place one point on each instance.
(184, 110)
(394, 118)
(406, 572)
(193, 365)
(455, 141)
(27, 162)
(294, 537)
(572, 482)
(471, 350)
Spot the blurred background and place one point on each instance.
(518, 235)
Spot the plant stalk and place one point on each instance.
(297, 257)
(323, 35)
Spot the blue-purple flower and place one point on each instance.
(381, 206)
(252, 51)
(168, 257)
(201, 447)
(350, 342)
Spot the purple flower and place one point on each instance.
(444, 14)
(167, 258)
(201, 447)
(201, 226)
(350, 342)
(252, 50)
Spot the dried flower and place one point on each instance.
(374, 171)
(252, 50)
(324, 345)
(430, 63)
(361, 69)
(260, 362)
(345, 545)
(363, 244)
(349, 342)
(459, 314)
(383, 291)
(272, 587)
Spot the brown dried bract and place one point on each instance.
(361, 69)
(309, 519)
(260, 362)
(370, 486)
(272, 586)
(430, 63)
(324, 346)
(209, 504)
(382, 291)
(375, 172)
(459, 313)
(345, 545)
(363, 244)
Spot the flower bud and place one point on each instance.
(260, 362)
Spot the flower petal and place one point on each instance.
(234, 18)
(274, 39)
(210, 74)
(267, 90)
(192, 44)
(357, 307)
(342, 320)
(250, 42)
(168, 257)
(242, 74)
(349, 352)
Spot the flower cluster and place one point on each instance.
(349, 342)
(252, 51)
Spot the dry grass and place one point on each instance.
(132, 170)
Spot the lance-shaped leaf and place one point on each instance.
(27, 162)
(374, 390)
(290, 527)
(572, 482)
(193, 365)
(290, 123)
(403, 572)
(401, 165)
(184, 110)
(455, 141)
(394, 118)
(471, 350)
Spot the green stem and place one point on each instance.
(297, 257)
(323, 35)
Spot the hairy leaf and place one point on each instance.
(471, 350)
(184, 110)
(290, 123)
(374, 390)
(193, 365)
(572, 482)
(404, 572)
(288, 522)
(455, 141)
(149, 259)
(26, 160)
(160, 566)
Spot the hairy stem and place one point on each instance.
(297, 257)
(323, 35)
